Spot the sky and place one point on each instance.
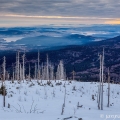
(58, 12)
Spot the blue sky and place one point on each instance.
(42, 12)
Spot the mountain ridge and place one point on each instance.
(83, 59)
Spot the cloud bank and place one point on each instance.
(67, 11)
(84, 8)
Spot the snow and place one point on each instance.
(30, 101)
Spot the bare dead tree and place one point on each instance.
(47, 69)
(51, 72)
(62, 109)
(16, 67)
(108, 88)
(13, 78)
(23, 67)
(100, 86)
(102, 80)
(4, 71)
(73, 74)
(65, 96)
(18, 73)
(35, 72)
(38, 71)
(60, 74)
(29, 73)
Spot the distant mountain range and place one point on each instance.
(46, 37)
(74, 39)
(83, 59)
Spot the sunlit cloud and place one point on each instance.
(10, 20)
(57, 17)
(116, 21)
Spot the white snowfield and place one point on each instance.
(31, 101)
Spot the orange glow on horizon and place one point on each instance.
(31, 20)
(114, 22)
(58, 17)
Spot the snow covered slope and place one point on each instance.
(33, 101)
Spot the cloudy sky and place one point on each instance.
(58, 12)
